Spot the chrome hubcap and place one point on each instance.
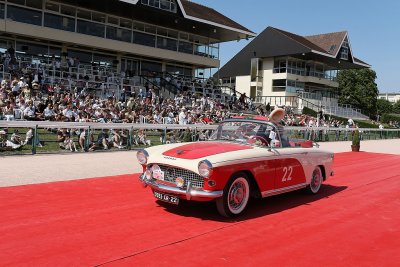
(237, 195)
(316, 181)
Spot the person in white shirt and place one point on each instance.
(67, 113)
(29, 112)
(15, 87)
(157, 117)
(183, 117)
(49, 113)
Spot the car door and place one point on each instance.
(289, 169)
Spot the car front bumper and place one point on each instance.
(189, 193)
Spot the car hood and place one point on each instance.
(203, 149)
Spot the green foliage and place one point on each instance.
(356, 138)
(366, 124)
(396, 107)
(386, 118)
(358, 88)
(310, 112)
(384, 106)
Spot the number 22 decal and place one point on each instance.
(287, 173)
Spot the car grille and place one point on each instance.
(170, 173)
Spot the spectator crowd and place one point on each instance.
(25, 96)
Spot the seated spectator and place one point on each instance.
(102, 139)
(8, 111)
(142, 138)
(49, 113)
(114, 139)
(16, 138)
(69, 143)
(29, 112)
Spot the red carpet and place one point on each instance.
(112, 221)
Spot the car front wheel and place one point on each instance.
(316, 181)
(236, 196)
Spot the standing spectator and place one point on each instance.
(183, 117)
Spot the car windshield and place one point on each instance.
(250, 132)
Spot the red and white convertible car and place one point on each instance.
(244, 158)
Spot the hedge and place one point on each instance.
(386, 118)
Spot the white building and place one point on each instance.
(391, 97)
(283, 68)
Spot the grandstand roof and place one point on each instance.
(273, 42)
(190, 17)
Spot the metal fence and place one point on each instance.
(56, 137)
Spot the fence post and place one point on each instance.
(87, 139)
(34, 140)
(130, 135)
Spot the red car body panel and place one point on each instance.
(200, 150)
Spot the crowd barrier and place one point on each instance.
(44, 134)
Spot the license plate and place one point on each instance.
(166, 198)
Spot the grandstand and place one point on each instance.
(114, 46)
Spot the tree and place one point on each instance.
(358, 89)
(396, 107)
(384, 107)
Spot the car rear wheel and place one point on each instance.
(316, 181)
(236, 196)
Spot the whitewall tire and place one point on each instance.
(236, 196)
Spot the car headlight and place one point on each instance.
(147, 174)
(142, 156)
(157, 173)
(205, 168)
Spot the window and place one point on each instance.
(113, 20)
(166, 43)
(344, 50)
(119, 34)
(279, 85)
(2, 9)
(144, 39)
(67, 10)
(99, 17)
(125, 23)
(167, 5)
(59, 22)
(24, 15)
(148, 66)
(83, 14)
(185, 47)
(90, 28)
(52, 7)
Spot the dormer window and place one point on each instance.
(167, 5)
(344, 50)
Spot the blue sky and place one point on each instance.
(373, 26)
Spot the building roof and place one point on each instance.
(273, 42)
(329, 42)
(190, 17)
(195, 10)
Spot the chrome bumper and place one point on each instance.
(190, 193)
